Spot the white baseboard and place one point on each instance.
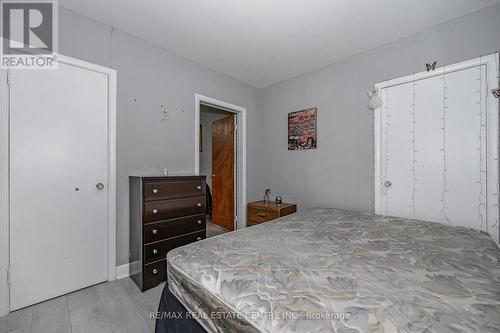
(122, 271)
(126, 270)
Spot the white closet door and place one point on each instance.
(465, 131)
(433, 149)
(429, 154)
(397, 149)
(58, 227)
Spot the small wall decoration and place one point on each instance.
(163, 113)
(431, 67)
(302, 129)
(375, 101)
(496, 92)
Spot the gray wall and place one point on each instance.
(206, 120)
(148, 77)
(340, 172)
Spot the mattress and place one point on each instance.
(328, 270)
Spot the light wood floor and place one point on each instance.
(117, 306)
(214, 229)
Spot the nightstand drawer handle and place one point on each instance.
(155, 251)
(155, 271)
(262, 214)
(155, 191)
(198, 187)
(155, 211)
(155, 231)
(199, 238)
(198, 204)
(199, 221)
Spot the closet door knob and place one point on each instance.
(155, 211)
(198, 204)
(199, 221)
(198, 187)
(155, 231)
(155, 251)
(155, 271)
(155, 190)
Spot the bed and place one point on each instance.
(328, 270)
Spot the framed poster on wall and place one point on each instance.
(302, 129)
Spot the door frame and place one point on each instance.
(241, 151)
(5, 174)
(491, 62)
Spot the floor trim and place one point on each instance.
(122, 271)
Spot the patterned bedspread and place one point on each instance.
(329, 270)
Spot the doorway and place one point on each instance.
(217, 162)
(220, 154)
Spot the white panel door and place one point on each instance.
(429, 153)
(397, 150)
(466, 188)
(433, 149)
(58, 225)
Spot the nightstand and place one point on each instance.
(261, 211)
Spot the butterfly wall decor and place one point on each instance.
(431, 67)
(496, 92)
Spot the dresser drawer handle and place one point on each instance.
(198, 204)
(155, 271)
(198, 187)
(199, 238)
(199, 221)
(155, 231)
(155, 211)
(155, 190)
(155, 251)
(262, 214)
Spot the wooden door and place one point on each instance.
(223, 153)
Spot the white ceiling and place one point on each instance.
(262, 42)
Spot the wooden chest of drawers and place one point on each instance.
(261, 211)
(165, 213)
